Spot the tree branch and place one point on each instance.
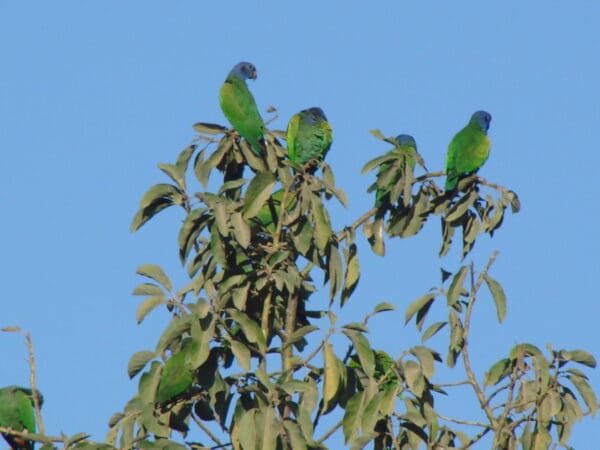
(465, 350)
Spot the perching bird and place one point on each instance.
(17, 412)
(309, 136)
(469, 149)
(407, 144)
(239, 106)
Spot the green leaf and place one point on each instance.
(334, 267)
(470, 232)
(388, 401)
(258, 192)
(500, 370)
(461, 206)
(209, 128)
(253, 160)
(583, 357)
(356, 326)
(456, 286)
(299, 334)
(147, 306)
(148, 289)
(322, 223)
(515, 203)
(148, 383)
(541, 439)
(241, 229)
(377, 133)
(251, 329)
(295, 435)
(192, 225)
(156, 199)
(156, 273)
(352, 416)
(220, 213)
(267, 427)
(151, 422)
(241, 353)
(174, 330)
(331, 375)
(371, 414)
(447, 234)
(352, 273)
(231, 185)
(425, 357)
(138, 361)
(224, 147)
(201, 308)
(247, 429)
(432, 330)
(184, 157)
(498, 296)
(423, 302)
(364, 351)
(202, 331)
(374, 233)
(414, 377)
(383, 306)
(586, 392)
(177, 171)
(201, 170)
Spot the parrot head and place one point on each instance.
(482, 119)
(313, 115)
(244, 70)
(406, 139)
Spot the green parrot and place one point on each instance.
(17, 412)
(270, 212)
(309, 136)
(469, 149)
(239, 106)
(407, 144)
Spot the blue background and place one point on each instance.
(94, 94)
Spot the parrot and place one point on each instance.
(406, 143)
(309, 136)
(17, 412)
(240, 108)
(469, 149)
(270, 212)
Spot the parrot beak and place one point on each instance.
(253, 75)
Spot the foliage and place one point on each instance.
(246, 362)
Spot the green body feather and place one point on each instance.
(241, 111)
(468, 150)
(17, 412)
(309, 136)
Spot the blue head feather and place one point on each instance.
(482, 119)
(244, 70)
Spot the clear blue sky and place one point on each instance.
(94, 94)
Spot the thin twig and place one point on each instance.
(37, 437)
(209, 433)
(454, 384)
(357, 223)
(476, 438)
(36, 400)
(428, 175)
(493, 185)
(496, 392)
(463, 422)
(475, 285)
(329, 432)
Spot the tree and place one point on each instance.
(242, 362)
